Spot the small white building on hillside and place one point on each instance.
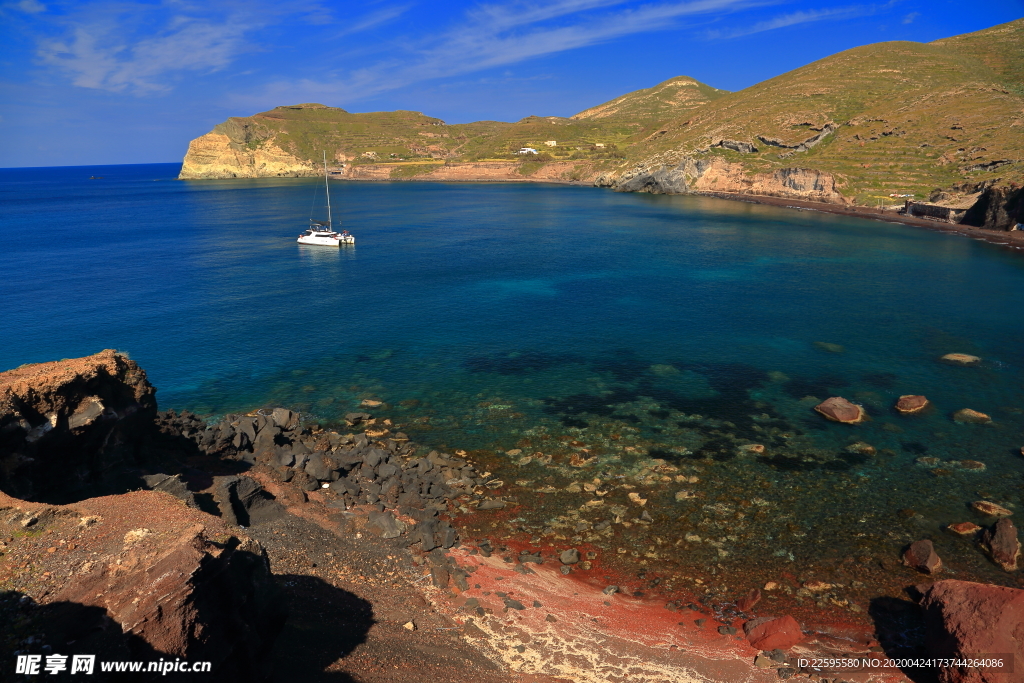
(527, 150)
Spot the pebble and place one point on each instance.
(610, 590)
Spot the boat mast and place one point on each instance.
(327, 188)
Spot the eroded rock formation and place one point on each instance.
(715, 175)
(69, 424)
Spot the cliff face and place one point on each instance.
(216, 155)
(718, 175)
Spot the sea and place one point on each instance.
(591, 349)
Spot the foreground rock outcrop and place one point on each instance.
(174, 581)
(968, 620)
(69, 425)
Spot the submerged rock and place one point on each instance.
(911, 403)
(831, 348)
(960, 359)
(969, 416)
(991, 509)
(921, 556)
(838, 409)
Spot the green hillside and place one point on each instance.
(671, 99)
(909, 117)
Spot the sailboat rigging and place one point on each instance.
(322, 233)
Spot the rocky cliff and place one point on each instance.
(216, 155)
(717, 175)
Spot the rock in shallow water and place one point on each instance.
(1003, 545)
(838, 409)
(969, 416)
(991, 509)
(911, 403)
(960, 359)
(921, 556)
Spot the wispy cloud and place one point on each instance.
(909, 19)
(795, 18)
(374, 19)
(148, 47)
(496, 35)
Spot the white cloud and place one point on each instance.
(800, 17)
(495, 35)
(909, 19)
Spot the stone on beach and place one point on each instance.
(838, 409)
(911, 403)
(921, 556)
(991, 509)
(969, 416)
(960, 359)
(570, 556)
(1002, 544)
(768, 633)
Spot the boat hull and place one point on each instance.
(319, 241)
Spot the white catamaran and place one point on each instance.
(320, 233)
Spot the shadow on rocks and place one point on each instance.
(900, 629)
(325, 624)
(71, 628)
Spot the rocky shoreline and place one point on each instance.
(247, 526)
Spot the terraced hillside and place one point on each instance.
(891, 118)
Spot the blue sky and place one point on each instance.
(118, 81)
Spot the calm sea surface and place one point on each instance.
(569, 323)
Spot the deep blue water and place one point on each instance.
(508, 311)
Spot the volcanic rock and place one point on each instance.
(1002, 544)
(911, 403)
(921, 556)
(971, 417)
(768, 633)
(838, 409)
(81, 417)
(960, 359)
(570, 556)
(964, 619)
(991, 509)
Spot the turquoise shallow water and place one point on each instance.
(509, 316)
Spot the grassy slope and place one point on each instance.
(306, 129)
(913, 117)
